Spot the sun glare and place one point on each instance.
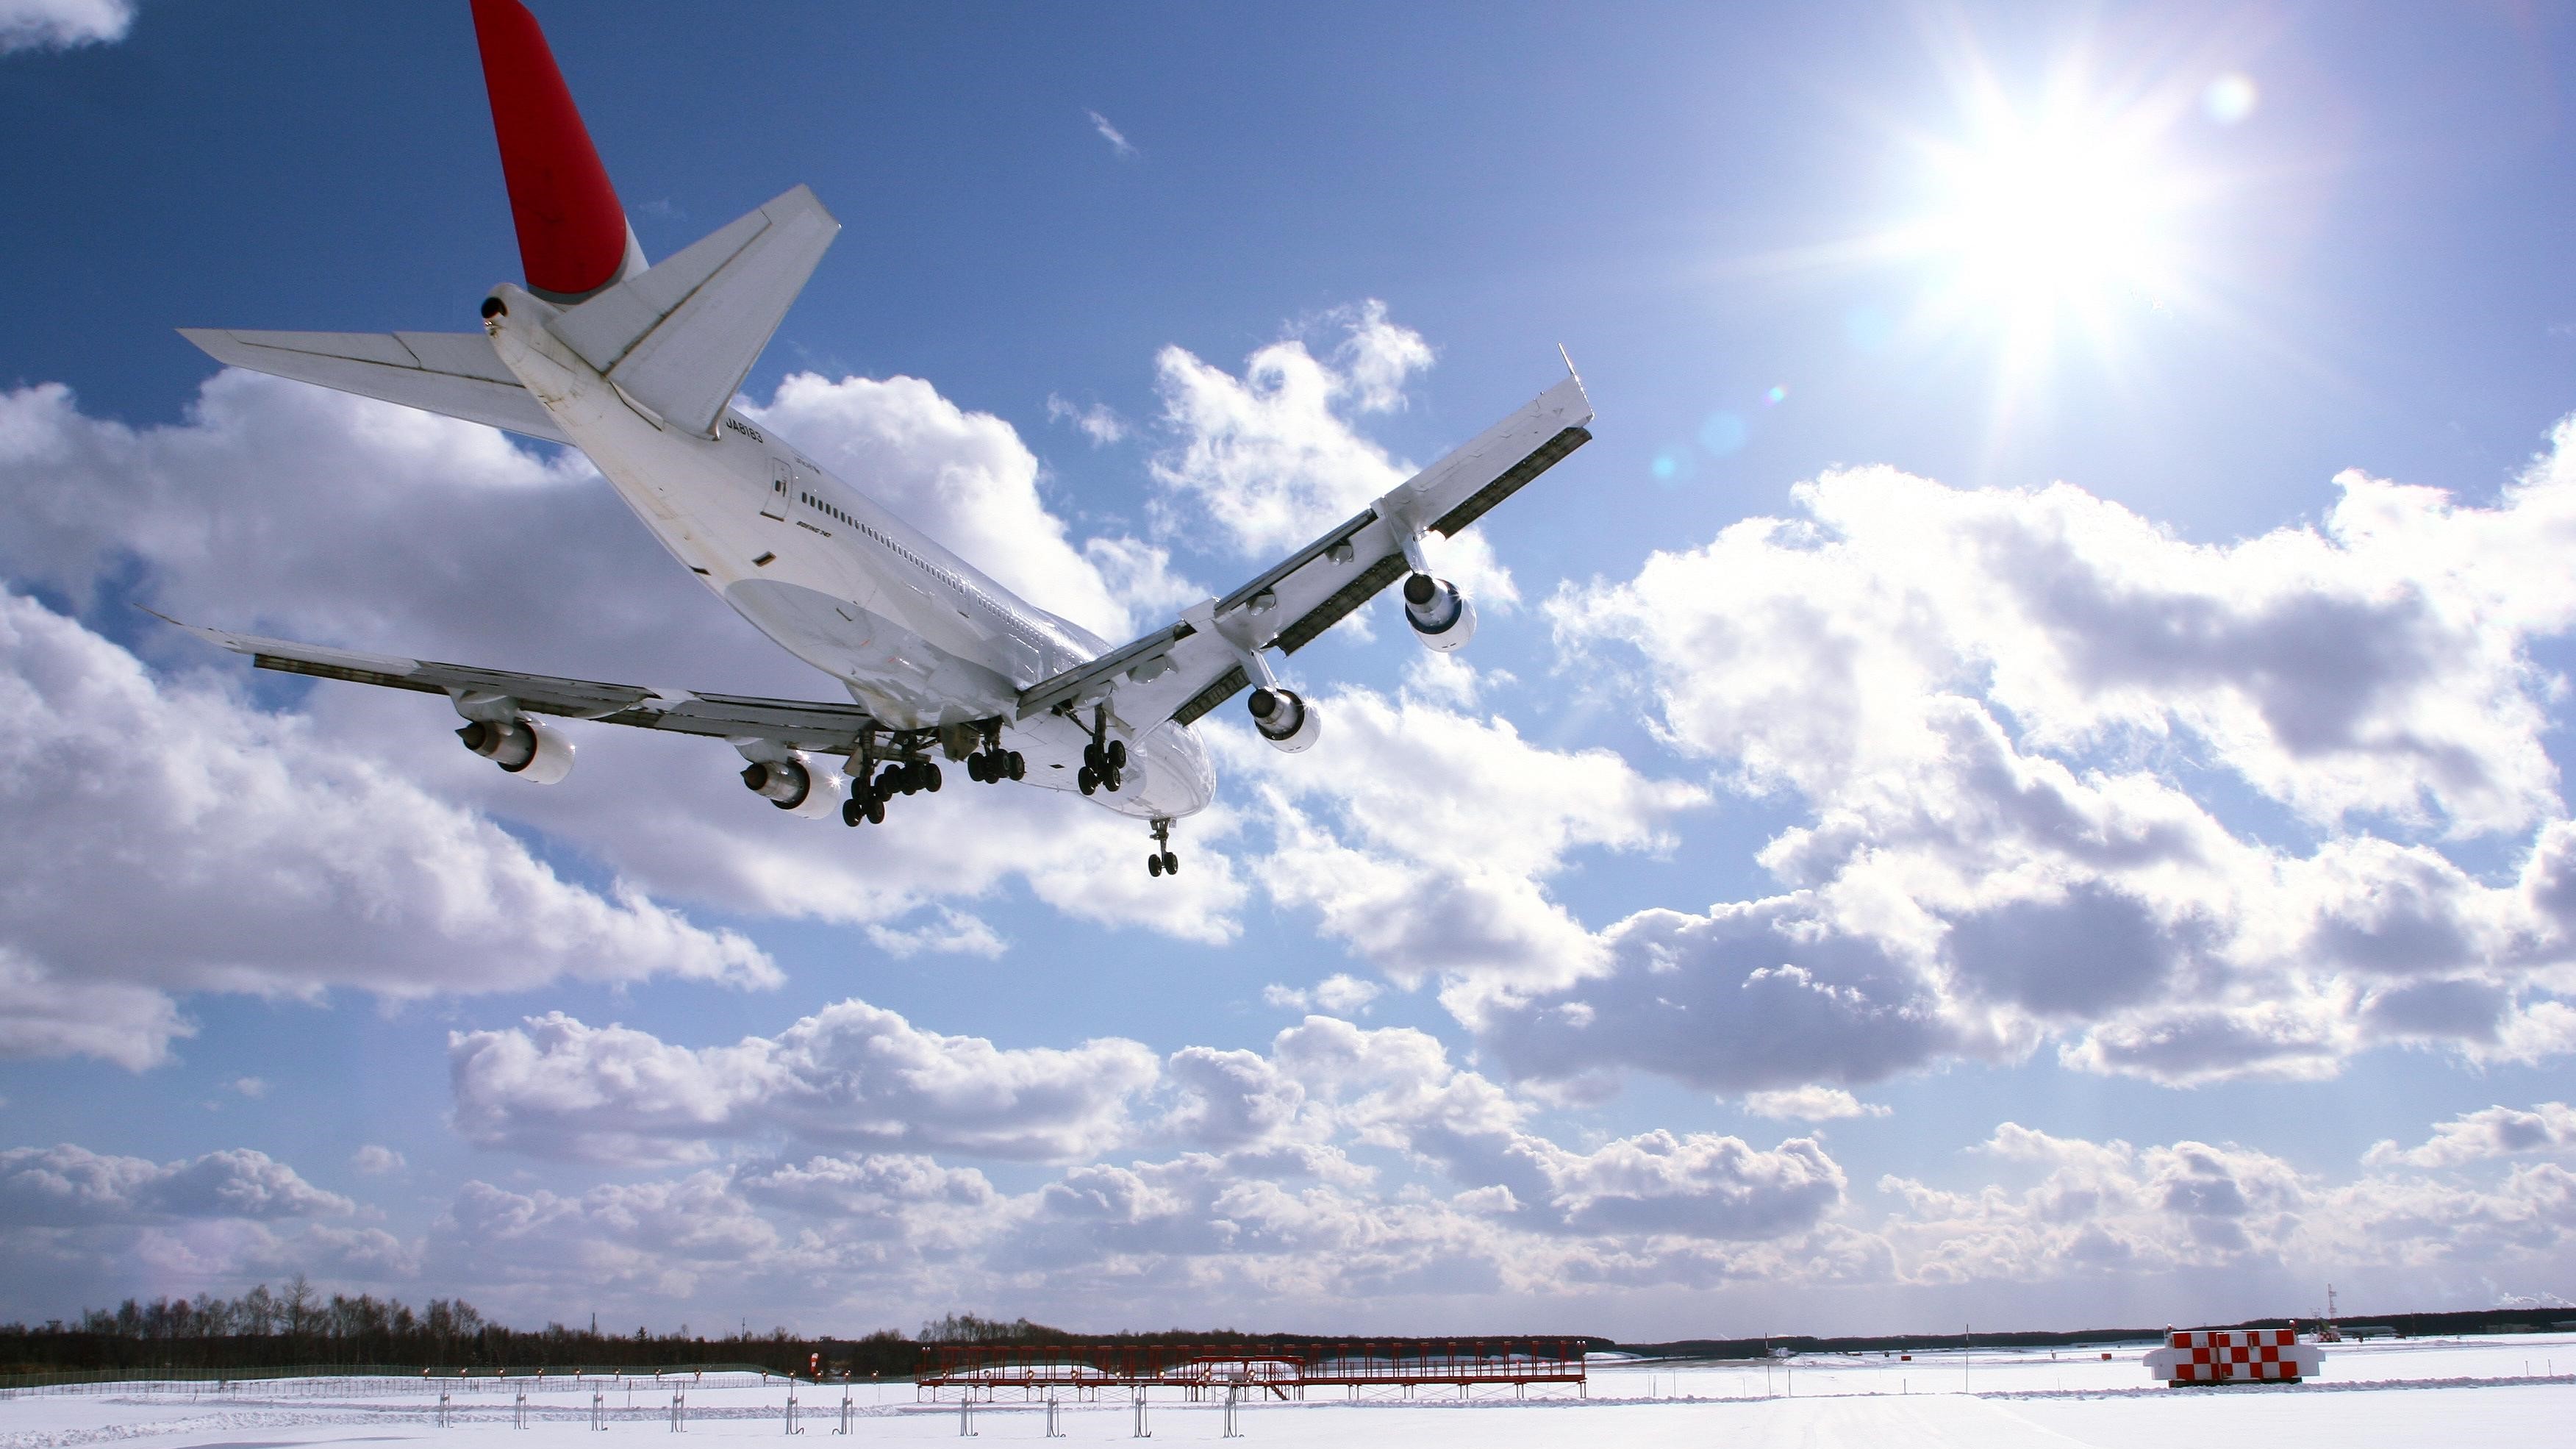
(2050, 217)
(2049, 229)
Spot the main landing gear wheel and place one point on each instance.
(1105, 764)
(1161, 861)
(992, 767)
(866, 804)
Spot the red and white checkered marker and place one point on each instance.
(2235, 1356)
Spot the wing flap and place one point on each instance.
(455, 374)
(798, 724)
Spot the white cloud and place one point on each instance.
(2487, 1133)
(1427, 843)
(71, 1186)
(2099, 1208)
(1118, 142)
(1140, 576)
(850, 1073)
(62, 24)
(1264, 463)
(246, 854)
(1098, 422)
(241, 516)
(948, 932)
(1988, 704)
(252, 1087)
(1811, 1104)
(1340, 994)
(962, 477)
(376, 1160)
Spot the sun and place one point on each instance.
(2050, 216)
(2047, 229)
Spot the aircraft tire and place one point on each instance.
(1019, 766)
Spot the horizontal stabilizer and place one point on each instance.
(455, 373)
(681, 336)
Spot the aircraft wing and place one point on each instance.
(825, 728)
(455, 373)
(1184, 669)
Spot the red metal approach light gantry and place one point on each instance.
(1281, 1369)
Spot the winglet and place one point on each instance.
(1569, 363)
(216, 637)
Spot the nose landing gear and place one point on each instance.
(1160, 861)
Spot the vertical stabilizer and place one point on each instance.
(574, 240)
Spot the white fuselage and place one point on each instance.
(918, 636)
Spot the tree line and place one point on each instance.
(298, 1326)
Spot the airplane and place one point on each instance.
(637, 365)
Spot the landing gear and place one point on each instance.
(992, 767)
(898, 762)
(907, 777)
(1104, 760)
(1160, 861)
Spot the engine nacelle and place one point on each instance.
(1284, 720)
(536, 753)
(798, 786)
(1441, 617)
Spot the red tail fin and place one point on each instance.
(573, 237)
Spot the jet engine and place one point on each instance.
(797, 786)
(523, 747)
(1284, 720)
(1440, 615)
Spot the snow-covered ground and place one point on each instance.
(2382, 1393)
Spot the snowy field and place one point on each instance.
(2383, 1393)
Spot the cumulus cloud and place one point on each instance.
(376, 1160)
(1428, 844)
(71, 1186)
(463, 546)
(1340, 994)
(1098, 422)
(2095, 1208)
(964, 478)
(1811, 1104)
(1265, 1164)
(948, 931)
(2001, 713)
(255, 857)
(1263, 463)
(62, 24)
(2487, 1133)
(850, 1073)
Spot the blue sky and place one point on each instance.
(1950, 824)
